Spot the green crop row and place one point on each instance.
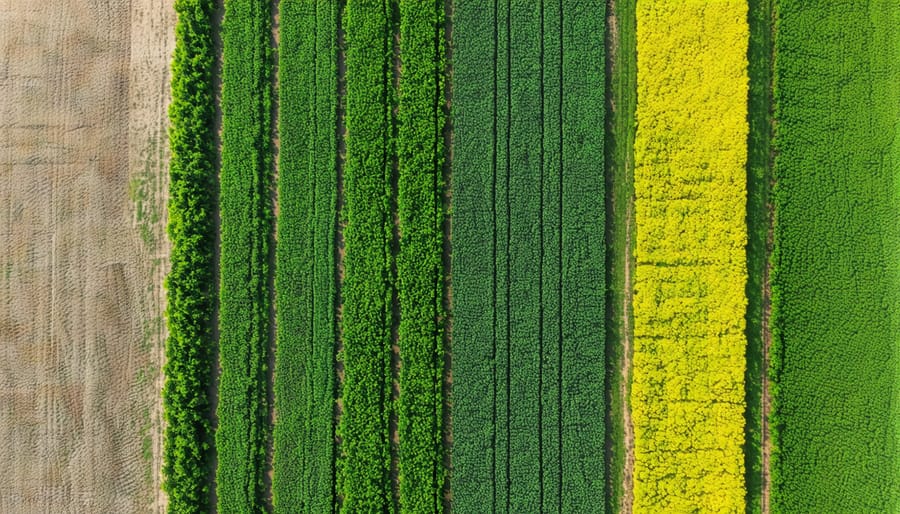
(245, 207)
(364, 464)
(475, 105)
(582, 257)
(528, 257)
(189, 285)
(420, 278)
(305, 285)
(836, 265)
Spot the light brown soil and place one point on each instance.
(83, 182)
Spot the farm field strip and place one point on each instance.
(601, 204)
(528, 171)
(246, 225)
(189, 284)
(364, 463)
(420, 213)
(759, 219)
(836, 265)
(303, 435)
(474, 256)
(689, 302)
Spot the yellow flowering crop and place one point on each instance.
(687, 394)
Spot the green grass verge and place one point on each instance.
(305, 258)
(621, 90)
(246, 214)
(190, 288)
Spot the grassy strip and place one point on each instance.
(365, 463)
(246, 226)
(305, 286)
(620, 125)
(836, 268)
(688, 399)
(758, 178)
(419, 262)
(189, 285)
(582, 429)
(474, 250)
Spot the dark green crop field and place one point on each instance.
(528, 257)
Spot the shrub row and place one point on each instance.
(363, 468)
(189, 285)
(687, 394)
(419, 262)
(246, 214)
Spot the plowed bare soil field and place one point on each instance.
(84, 88)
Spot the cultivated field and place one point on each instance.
(419, 256)
(83, 184)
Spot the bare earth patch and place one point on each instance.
(83, 182)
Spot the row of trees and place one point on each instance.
(687, 394)
(190, 284)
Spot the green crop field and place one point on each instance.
(244, 298)
(305, 288)
(526, 256)
(837, 257)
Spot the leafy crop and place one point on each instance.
(367, 288)
(835, 293)
(474, 257)
(305, 285)
(190, 283)
(528, 257)
(246, 216)
(419, 262)
(687, 392)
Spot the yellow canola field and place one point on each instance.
(687, 394)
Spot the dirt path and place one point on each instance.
(767, 288)
(766, 396)
(628, 429)
(83, 184)
(614, 67)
